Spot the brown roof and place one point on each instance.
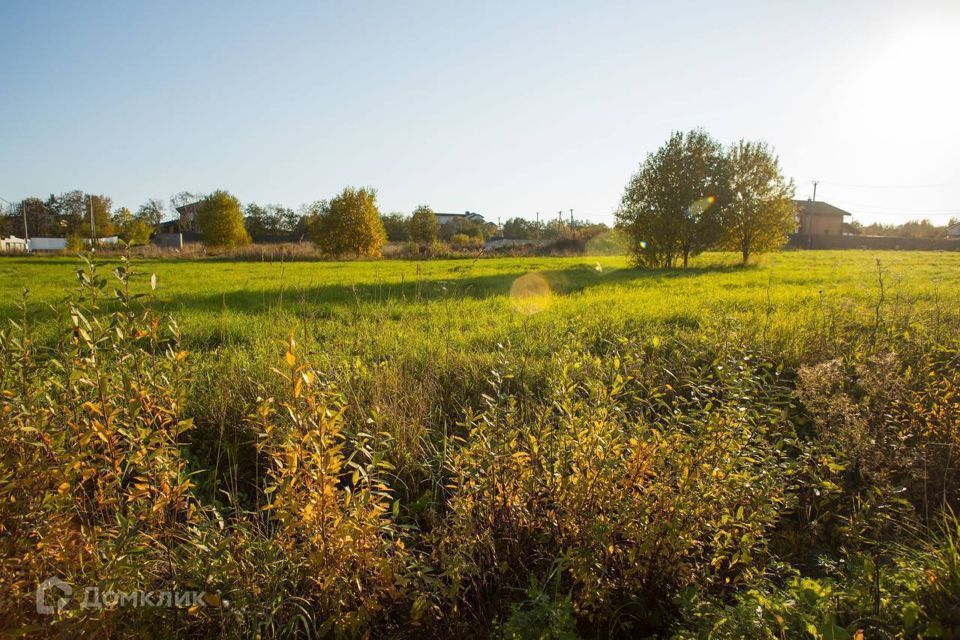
(818, 208)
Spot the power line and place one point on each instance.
(892, 186)
(904, 215)
(871, 207)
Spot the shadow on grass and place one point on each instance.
(321, 301)
(460, 287)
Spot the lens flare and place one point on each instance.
(608, 243)
(699, 206)
(643, 244)
(530, 293)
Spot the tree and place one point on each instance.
(424, 227)
(152, 212)
(286, 221)
(759, 212)
(6, 226)
(99, 208)
(40, 220)
(220, 221)
(184, 197)
(70, 211)
(921, 229)
(270, 220)
(397, 227)
(667, 209)
(132, 229)
(852, 228)
(521, 229)
(257, 220)
(467, 227)
(350, 223)
(924, 229)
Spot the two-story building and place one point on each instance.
(819, 218)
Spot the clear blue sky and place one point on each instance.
(505, 108)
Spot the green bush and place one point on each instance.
(423, 225)
(463, 241)
(220, 221)
(350, 224)
(635, 511)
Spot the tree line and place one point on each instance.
(85, 215)
(348, 224)
(922, 229)
(693, 194)
(351, 222)
(422, 227)
(75, 214)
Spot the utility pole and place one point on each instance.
(23, 212)
(560, 217)
(93, 228)
(571, 217)
(815, 183)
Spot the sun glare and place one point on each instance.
(530, 293)
(908, 84)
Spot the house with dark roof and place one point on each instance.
(188, 216)
(185, 223)
(819, 218)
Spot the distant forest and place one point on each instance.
(912, 229)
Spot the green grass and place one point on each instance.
(387, 308)
(434, 312)
(382, 328)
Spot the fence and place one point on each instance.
(47, 244)
(169, 240)
(821, 241)
(14, 244)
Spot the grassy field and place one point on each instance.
(492, 447)
(389, 308)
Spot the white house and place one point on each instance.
(953, 231)
(471, 216)
(13, 244)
